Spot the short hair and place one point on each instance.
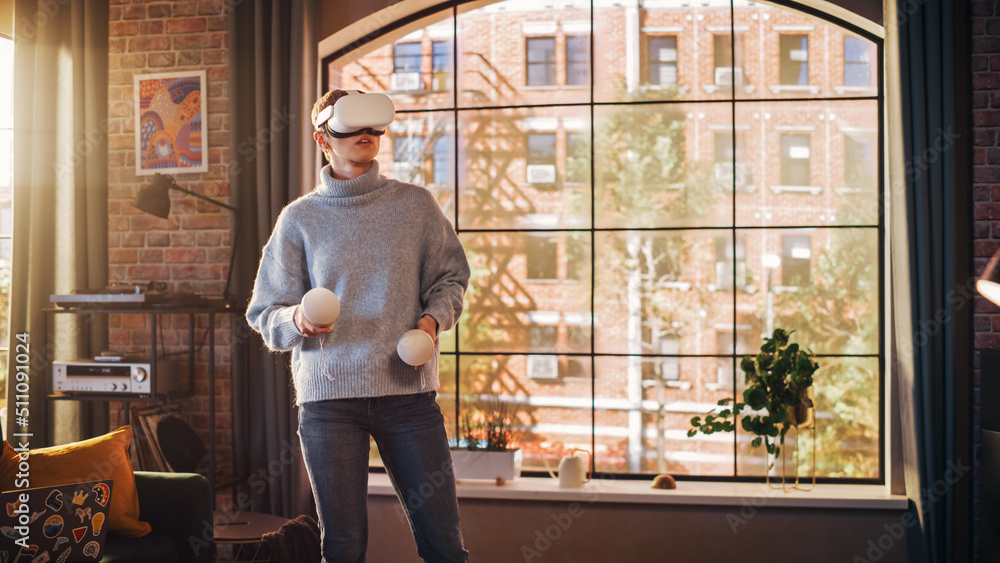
(327, 99)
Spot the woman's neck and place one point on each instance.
(344, 169)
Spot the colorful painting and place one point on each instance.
(170, 112)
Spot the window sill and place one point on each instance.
(814, 190)
(791, 88)
(697, 493)
(859, 90)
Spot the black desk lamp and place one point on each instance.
(155, 200)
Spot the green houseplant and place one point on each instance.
(487, 453)
(778, 383)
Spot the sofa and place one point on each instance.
(178, 507)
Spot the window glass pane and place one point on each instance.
(7, 74)
(662, 50)
(416, 149)
(509, 310)
(655, 166)
(650, 284)
(847, 426)
(6, 152)
(787, 54)
(510, 177)
(823, 283)
(518, 53)
(644, 408)
(578, 60)
(859, 55)
(795, 167)
(416, 69)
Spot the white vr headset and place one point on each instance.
(357, 113)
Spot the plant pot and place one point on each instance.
(480, 464)
(803, 415)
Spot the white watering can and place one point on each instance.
(572, 470)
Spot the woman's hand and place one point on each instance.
(428, 325)
(307, 327)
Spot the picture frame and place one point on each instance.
(170, 119)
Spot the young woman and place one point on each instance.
(391, 256)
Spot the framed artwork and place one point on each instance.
(170, 116)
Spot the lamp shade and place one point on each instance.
(155, 198)
(988, 284)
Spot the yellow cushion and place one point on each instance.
(103, 457)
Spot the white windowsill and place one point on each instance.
(700, 493)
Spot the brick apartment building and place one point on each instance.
(631, 240)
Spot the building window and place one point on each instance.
(795, 170)
(794, 62)
(857, 62)
(796, 260)
(406, 57)
(440, 65)
(541, 65)
(730, 263)
(442, 154)
(541, 161)
(730, 168)
(728, 70)
(662, 60)
(859, 170)
(542, 258)
(577, 60)
(407, 158)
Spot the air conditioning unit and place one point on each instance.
(724, 172)
(405, 81)
(543, 367)
(728, 76)
(541, 173)
(439, 80)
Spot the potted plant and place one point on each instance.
(487, 452)
(778, 392)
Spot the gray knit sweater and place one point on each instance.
(388, 252)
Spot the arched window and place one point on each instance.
(644, 191)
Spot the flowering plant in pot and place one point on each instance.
(778, 391)
(487, 452)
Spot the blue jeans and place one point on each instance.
(409, 431)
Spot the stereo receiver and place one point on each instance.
(116, 378)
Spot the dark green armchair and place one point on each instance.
(178, 507)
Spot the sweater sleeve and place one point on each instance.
(445, 274)
(282, 280)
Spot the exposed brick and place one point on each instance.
(160, 60)
(149, 43)
(158, 239)
(187, 8)
(123, 28)
(134, 12)
(159, 11)
(210, 7)
(154, 27)
(185, 25)
(135, 240)
(151, 256)
(184, 255)
(190, 58)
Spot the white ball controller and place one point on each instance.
(415, 347)
(321, 306)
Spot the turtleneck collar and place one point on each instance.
(356, 191)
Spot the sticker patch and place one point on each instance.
(53, 526)
(59, 542)
(102, 494)
(97, 522)
(78, 533)
(92, 549)
(54, 500)
(65, 555)
(83, 514)
(80, 497)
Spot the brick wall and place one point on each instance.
(189, 250)
(986, 196)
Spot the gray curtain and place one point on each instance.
(931, 236)
(60, 202)
(272, 84)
